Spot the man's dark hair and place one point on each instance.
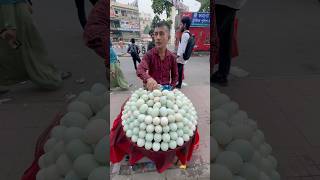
(187, 21)
(133, 40)
(151, 32)
(163, 24)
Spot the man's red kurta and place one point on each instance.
(165, 72)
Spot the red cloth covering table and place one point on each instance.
(120, 145)
(31, 172)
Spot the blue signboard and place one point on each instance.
(200, 19)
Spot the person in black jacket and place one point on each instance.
(151, 44)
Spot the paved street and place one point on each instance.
(279, 47)
(197, 90)
(24, 117)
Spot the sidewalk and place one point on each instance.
(287, 111)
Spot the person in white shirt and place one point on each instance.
(184, 28)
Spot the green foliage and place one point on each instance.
(205, 6)
(155, 20)
(146, 29)
(160, 6)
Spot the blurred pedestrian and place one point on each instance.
(116, 76)
(121, 44)
(225, 11)
(134, 50)
(81, 9)
(23, 55)
(182, 47)
(151, 44)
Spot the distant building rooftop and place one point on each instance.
(126, 6)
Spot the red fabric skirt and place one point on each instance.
(120, 145)
(31, 172)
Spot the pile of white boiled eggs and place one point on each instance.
(78, 147)
(238, 147)
(159, 120)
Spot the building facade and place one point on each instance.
(124, 21)
(145, 20)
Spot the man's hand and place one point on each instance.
(151, 84)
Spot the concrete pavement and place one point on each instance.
(279, 47)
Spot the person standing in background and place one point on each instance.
(225, 11)
(184, 28)
(121, 44)
(151, 44)
(116, 76)
(82, 11)
(134, 50)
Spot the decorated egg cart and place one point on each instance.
(154, 130)
(74, 125)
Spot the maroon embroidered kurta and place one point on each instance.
(165, 72)
(97, 28)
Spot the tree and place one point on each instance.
(146, 29)
(205, 6)
(159, 6)
(155, 20)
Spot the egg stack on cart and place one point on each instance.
(160, 125)
(75, 145)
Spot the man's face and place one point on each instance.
(161, 36)
(182, 27)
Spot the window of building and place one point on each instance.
(117, 11)
(123, 13)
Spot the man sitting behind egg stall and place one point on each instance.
(159, 65)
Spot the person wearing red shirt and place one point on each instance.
(159, 65)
